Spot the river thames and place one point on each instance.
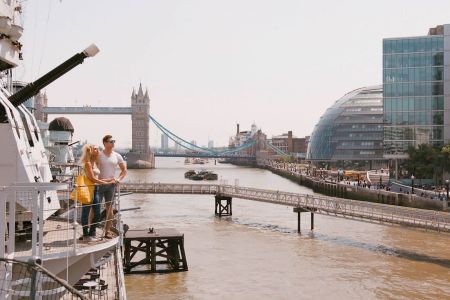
(257, 253)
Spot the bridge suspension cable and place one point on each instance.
(178, 140)
(276, 149)
(190, 146)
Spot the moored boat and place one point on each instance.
(201, 175)
(196, 177)
(210, 176)
(189, 173)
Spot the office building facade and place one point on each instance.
(416, 91)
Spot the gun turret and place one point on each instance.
(33, 88)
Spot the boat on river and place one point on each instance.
(210, 176)
(200, 175)
(189, 173)
(198, 161)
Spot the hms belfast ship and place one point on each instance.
(41, 253)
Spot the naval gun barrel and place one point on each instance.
(34, 87)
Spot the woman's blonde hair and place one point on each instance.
(88, 154)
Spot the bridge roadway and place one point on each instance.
(87, 110)
(324, 205)
(203, 155)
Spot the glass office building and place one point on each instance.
(416, 91)
(351, 129)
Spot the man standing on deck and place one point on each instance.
(107, 162)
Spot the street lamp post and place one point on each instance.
(412, 184)
(445, 204)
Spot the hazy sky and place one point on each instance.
(211, 64)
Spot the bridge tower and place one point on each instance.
(140, 156)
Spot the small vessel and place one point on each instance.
(187, 161)
(196, 177)
(223, 161)
(198, 161)
(189, 173)
(210, 176)
(200, 175)
(203, 172)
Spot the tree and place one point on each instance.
(421, 161)
(427, 161)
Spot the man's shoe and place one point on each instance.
(86, 238)
(91, 239)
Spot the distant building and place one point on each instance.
(194, 142)
(242, 138)
(176, 147)
(40, 101)
(416, 91)
(211, 144)
(291, 144)
(164, 142)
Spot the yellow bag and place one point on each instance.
(84, 190)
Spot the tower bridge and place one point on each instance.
(140, 155)
(87, 110)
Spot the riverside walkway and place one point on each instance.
(324, 205)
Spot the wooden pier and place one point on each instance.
(158, 250)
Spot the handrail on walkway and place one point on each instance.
(339, 207)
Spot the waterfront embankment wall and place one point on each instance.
(347, 191)
(356, 192)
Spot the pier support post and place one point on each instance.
(300, 210)
(223, 208)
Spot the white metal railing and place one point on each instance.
(30, 280)
(430, 219)
(58, 235)
(169, 188)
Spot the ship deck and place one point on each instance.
(60, 237)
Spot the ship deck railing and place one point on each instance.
(58, 236)
(30, 280)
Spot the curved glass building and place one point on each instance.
(351, 129)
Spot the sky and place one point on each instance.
(211, 64)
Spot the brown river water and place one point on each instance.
(257, 253)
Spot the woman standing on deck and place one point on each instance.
(88, 161)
